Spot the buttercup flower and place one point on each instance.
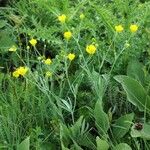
(33, 42)
(15, 74)
(48, 61)
(91, 49)
(71, 56)
(67, 35)
(82, 16)
(13, 48)
(119, 28)
(133, 28)
(62, 18)
(20, 71)
(48, 74)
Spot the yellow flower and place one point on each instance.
(133, 28)
(33, 42)
(67, 35)
(22, 70)
(13, 48)
(91, 49)
(48, 74)
(71, 56)
(48, 61)
(15, 74)
(82, 16)
(62, 18)
(119, 28)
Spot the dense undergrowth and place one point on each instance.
(75, 75)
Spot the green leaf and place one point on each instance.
(6, 40)
(122, 125)
(135, 70)
(24, 145)
(122, 146)
(78, 127)
(88, 140)
(3, 23)
(101, 118)
(136, 93)
(75, 146)
(101, 144)
(144, 133)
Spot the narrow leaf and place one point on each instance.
(101, 118)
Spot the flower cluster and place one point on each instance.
(133, 28)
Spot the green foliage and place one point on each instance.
(135, 70)
(122, 146)
(136, 93)
(74, 104)
(101, 119)
(122, 125)
(102, 144)
(143, 133)
(24, 145)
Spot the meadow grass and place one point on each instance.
(75, 75)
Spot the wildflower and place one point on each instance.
(67, 35)
(48, 61)
(15, 74)
(48, 74)
(20, 71)
(33, 42)
(133, 28)
(62, 18)
(91, 49)
(119, 28)
(13, 48)
(71, 56)
(82, 16)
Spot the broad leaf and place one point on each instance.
(135, 70)
(122, 125)
(3, 23)
(143, 133)
(101, 144)
(136, 94)
(122, 146)
(24, 145)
